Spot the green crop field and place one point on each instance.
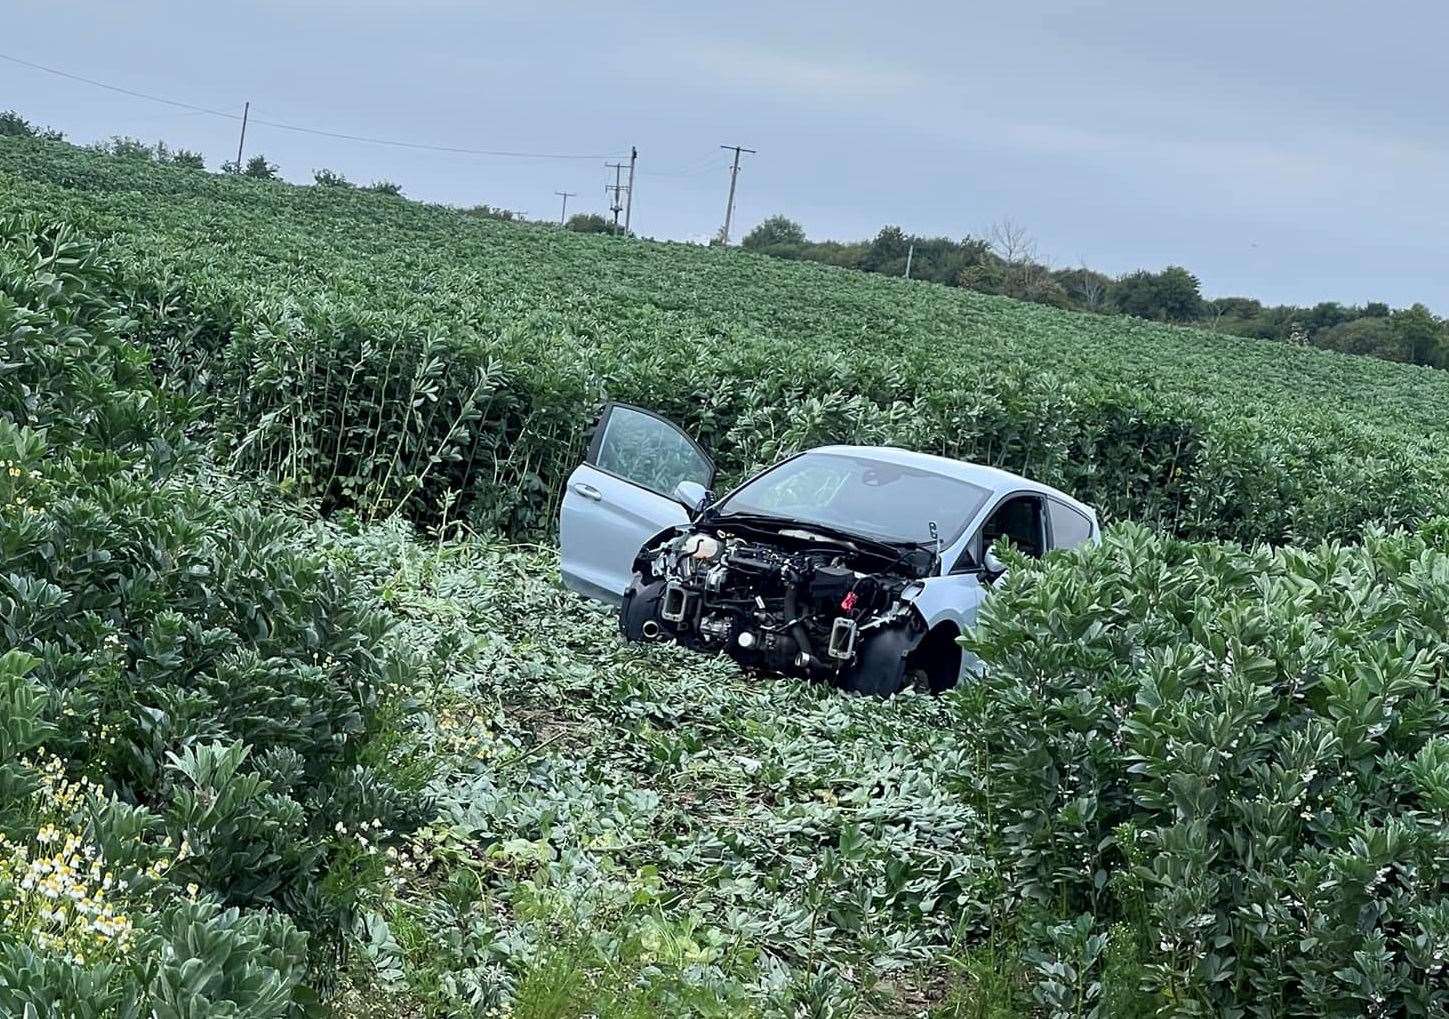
(295, 718)
(314, 314)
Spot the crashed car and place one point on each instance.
(860, 565)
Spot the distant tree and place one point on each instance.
(1326, 315)
(256, 167)
(1085, 288)
(1018, 272)
(124, 147)
(1031, 281)
(589, 223)
(13, 125)
(188, 159)
(325, 178)
(1418, 333)
(776, 231)
(845, 256)
(493, 212)
(1011, 242)
(1172, 295)
(1006, 263)
(386, 187)
(887, 253)
(1371, 336)
(1136, 294)
(988, 277)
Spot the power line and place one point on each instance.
(686, 174)
(420, 145)
(281, 126)
(117, 88)
(710, 161)
(730, 205)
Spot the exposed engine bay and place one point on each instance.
(779, 597)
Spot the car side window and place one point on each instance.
(1020, 519)
(647, 451)
(1070, 527)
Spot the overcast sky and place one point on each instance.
(1291, 151)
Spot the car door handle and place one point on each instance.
(588, 491)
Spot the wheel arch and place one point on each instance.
(938, 652)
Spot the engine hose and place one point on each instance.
(797, 628)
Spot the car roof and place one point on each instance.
(994, 479)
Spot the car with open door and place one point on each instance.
(856, 564)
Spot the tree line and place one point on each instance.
(1005, 262)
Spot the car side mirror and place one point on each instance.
(691, 495)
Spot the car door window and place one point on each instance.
(1019, 521)
(647, 451)
(1070, 528)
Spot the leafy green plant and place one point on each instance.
(325, 178)
(163, 638)
(1238, 751)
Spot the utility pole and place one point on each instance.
(564, 211)
(618, 188)
(730, 205)
(910, 254)
(629, 201)
(243, 139)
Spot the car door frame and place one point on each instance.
(596, 443)
(1093, 526)
(586, 572)
(973, 530)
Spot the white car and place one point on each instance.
(857, 564)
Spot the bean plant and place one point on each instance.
(385, 356)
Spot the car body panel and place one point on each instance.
(955, 601)
(603, 524)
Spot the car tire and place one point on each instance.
(880, 669)
(640, 607)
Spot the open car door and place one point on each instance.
(622, 495)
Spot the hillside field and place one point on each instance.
(295, 718)
(312, 314)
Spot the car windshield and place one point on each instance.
(875, 498)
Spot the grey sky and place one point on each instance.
(1286, 151)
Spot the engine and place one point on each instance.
(792, 606)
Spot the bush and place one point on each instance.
(188, 159)
(330, 179)
(774, 232)
(494, 212)
(191, 664)
(589, 223)
(256, 167)
(124, 147)
(1241, 754)
(13, 125)
(386, 187)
